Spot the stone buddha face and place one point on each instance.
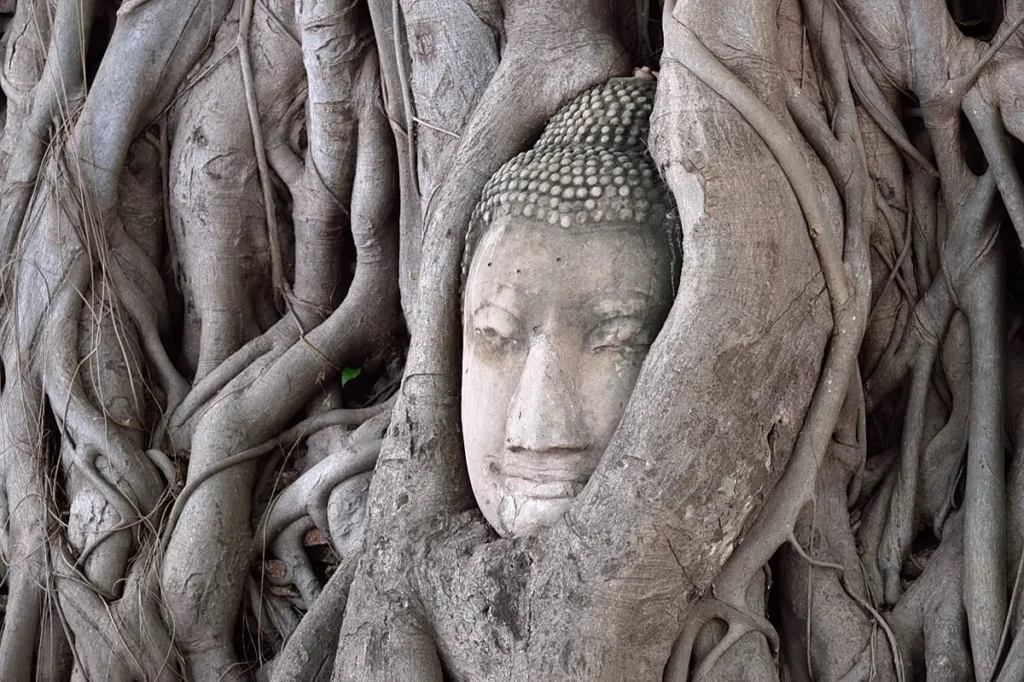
(558, 316)
(556, 327)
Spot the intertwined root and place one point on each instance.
(90, 384)
(180, 302)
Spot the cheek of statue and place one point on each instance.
(552, 349)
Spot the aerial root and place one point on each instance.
(165, 465)
(902, 518)
(287, 439)
(121, 475)
(268, 346)
(988, 126)
(703, 612)
(146, 322)
(985, 589)
(288, 546)
(859, 600)
(848, 286)
(309, 494)
(108, 632)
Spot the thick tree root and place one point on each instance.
(309, 652)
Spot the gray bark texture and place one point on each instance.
(232, 236)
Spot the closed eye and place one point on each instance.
(497, 328)
(623, 333)
(495, 338)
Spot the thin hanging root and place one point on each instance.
(894, 267)
(1013, 666)
(965, 244)
(108, 628)
(84, 459)
(274, 231)
(407, 104)
(146, 319)
(86, 433)
(852, 594)
(195, 482)
(902, 519)
(86, 424)
(1015, 659)
(60, 88)
(874, 103)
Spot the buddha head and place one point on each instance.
(571, 262)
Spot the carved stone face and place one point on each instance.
(556, 326)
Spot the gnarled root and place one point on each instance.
(309, 652)
(122, 640)
(208, 546)
(309, 495)
(929, 621)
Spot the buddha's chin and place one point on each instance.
(519, 515)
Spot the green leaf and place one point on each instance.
(349, 373)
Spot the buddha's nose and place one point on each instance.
(545, 413)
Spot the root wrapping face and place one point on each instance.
(236, 438)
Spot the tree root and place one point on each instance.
(901, 523)
(29, 525)
(283, 389)
(346, 514)
(929, 620)
(985, 589)
(773, 525)
(267, 347)
(309, 495)
(124, 640)
(739, 622)
(273, 231)
(288, 546)
(60, 91)
(943, 457)
(309, 653)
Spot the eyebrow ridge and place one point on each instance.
(605, 306)
(489, 304)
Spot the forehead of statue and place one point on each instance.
(659, 237)
(580, 266)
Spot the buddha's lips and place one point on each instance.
(543, 475)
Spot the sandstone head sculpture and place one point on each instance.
(570, 272)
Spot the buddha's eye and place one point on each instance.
(624, 333)
(497, 328)
(495, 338)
